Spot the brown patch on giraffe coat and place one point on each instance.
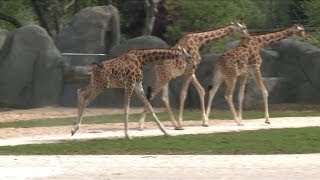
(259, 40)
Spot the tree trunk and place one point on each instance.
(40, 15)
(76, 6)
(10, 19)
(105, 2)
(151, 10)
(58, 12)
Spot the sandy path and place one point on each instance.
(11, 136)
(162, 167)
(16, 136)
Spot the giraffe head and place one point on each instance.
(299, 30)
(185, 55)
(240, 26)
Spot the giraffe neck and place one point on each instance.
(203, 38)
(147, 56)
(267, 39)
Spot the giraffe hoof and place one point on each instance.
(205, 125)
(128, 137)
(72, 132)
(179, 128)
(140, 129)
(267, 122)
(240, 124)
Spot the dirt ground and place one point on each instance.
(15, 136)
(7, 115)
(302, 166)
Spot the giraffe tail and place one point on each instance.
(149, 91)
(209, 87)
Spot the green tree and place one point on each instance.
(312, 10)
(190, 15)
(15, 13)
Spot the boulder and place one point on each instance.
(141, 42)
(299, 62)
(3, 36)
(92, 30)
(30, 67)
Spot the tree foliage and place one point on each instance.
(172, 18)
(188, 15)
(312, 10)
(19, 10)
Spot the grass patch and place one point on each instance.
(281, 141)
(164, 116)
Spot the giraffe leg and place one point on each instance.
(259, 80)
(183, 96)
(140, 92)
(166, 102)
(142, 118)
(85, 96)
(216, 83)
(163, 77)
(127, 97)
(201, 94)
(242, 82)
(231, 82)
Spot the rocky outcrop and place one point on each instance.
(142, 42)
(30, 68)
(92, 30)
(300, 63)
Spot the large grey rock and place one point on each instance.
(30, 67)
(3, 37)
(92, 30)
(141, 42)
(299, 62)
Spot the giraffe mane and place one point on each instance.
(278, 30)
(194, 32)
(142, 49)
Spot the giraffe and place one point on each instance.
(244, 60)
(124, 72)
(168, 70)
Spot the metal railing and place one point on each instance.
(82, 54)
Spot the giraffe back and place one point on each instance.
(118, 72)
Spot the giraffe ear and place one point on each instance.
(240, 25)
(299, 27)
(185, 51)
